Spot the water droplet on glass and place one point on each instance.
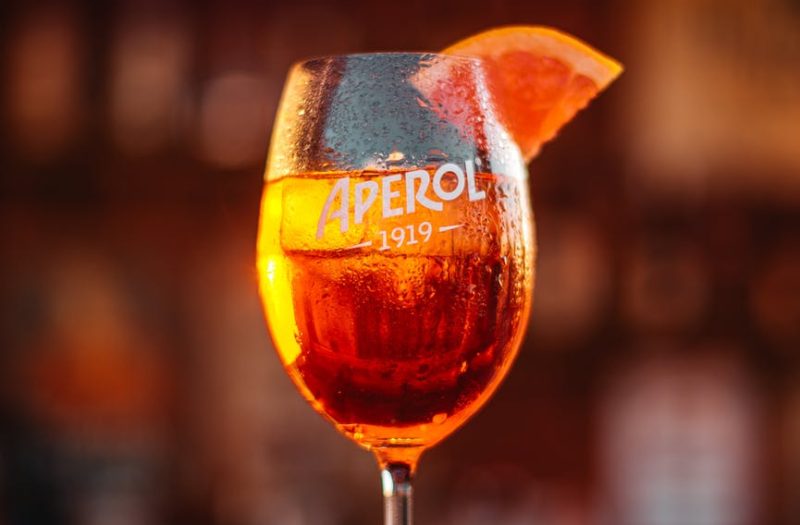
(395, 156)
(440, 418)
(436, 155)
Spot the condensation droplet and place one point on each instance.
(440, 418)
(437, 154)
(395, 156)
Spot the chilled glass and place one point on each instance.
(395, 250)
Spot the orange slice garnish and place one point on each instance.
(538, 78)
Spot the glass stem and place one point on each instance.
(397, 493)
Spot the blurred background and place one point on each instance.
(660, 380)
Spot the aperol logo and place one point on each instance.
(398, 194)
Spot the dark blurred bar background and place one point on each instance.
(659, 383)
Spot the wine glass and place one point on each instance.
(395, 250)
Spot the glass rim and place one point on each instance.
(388, 54)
